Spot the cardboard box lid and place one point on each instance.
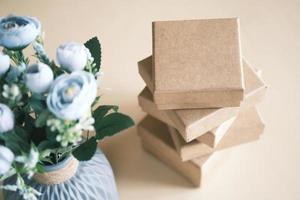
(201, 55)
(193, 123)
(156, 139)
(247, 127)
(253, 84)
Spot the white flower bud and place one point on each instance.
(38, 78)
(72, 56)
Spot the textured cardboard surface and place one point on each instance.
(247, 127)
(193, 123)
(197, 64)
(145, 70)
(191, 150)
(213, 137)
(156, 139)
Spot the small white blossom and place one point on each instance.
(12, 92)
(7, 119)
(55, 124)
(71, 136)
(86, 124)
(66, 135)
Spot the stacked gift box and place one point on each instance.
(200, 95)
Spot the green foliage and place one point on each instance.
(86, 150)
(16, 140)
(101, 111)
(38, 133)
(39, 137)
(17, 56)
(94, 47)
(112, 124)
(47, 144)
(42, 56)
(37, 105)
(42, 118)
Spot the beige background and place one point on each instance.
(270, 30)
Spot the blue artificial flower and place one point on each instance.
(6, 118)
(6, 159)
(4, 63)
(38, 78)
(71, 95)
(16, 32)
(72, 56)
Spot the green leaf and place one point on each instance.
(42, 118)
(19, 116)
(37, 105)
(29, 125)
(86, 150)
(39, 167)
(46, 144)
(51, 135)
(15, 142)
(95, 48)
(101, 111)
(22, 133)
(112, 124)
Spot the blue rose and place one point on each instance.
(6, 159)
(72, 56)
(38, 77)
(6, 118)
(71, 95)
(16, 32)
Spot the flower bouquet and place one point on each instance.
(48, 112)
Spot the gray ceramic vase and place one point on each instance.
(93, 180)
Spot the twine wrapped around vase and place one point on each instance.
(58, 176)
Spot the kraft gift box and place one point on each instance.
(156, 140)
(197, 64)
(247, 127)
(192, 123)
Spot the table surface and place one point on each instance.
(267, 169)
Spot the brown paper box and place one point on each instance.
(247, 127)
(197, 64)
(156, 139)
(192, 123)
